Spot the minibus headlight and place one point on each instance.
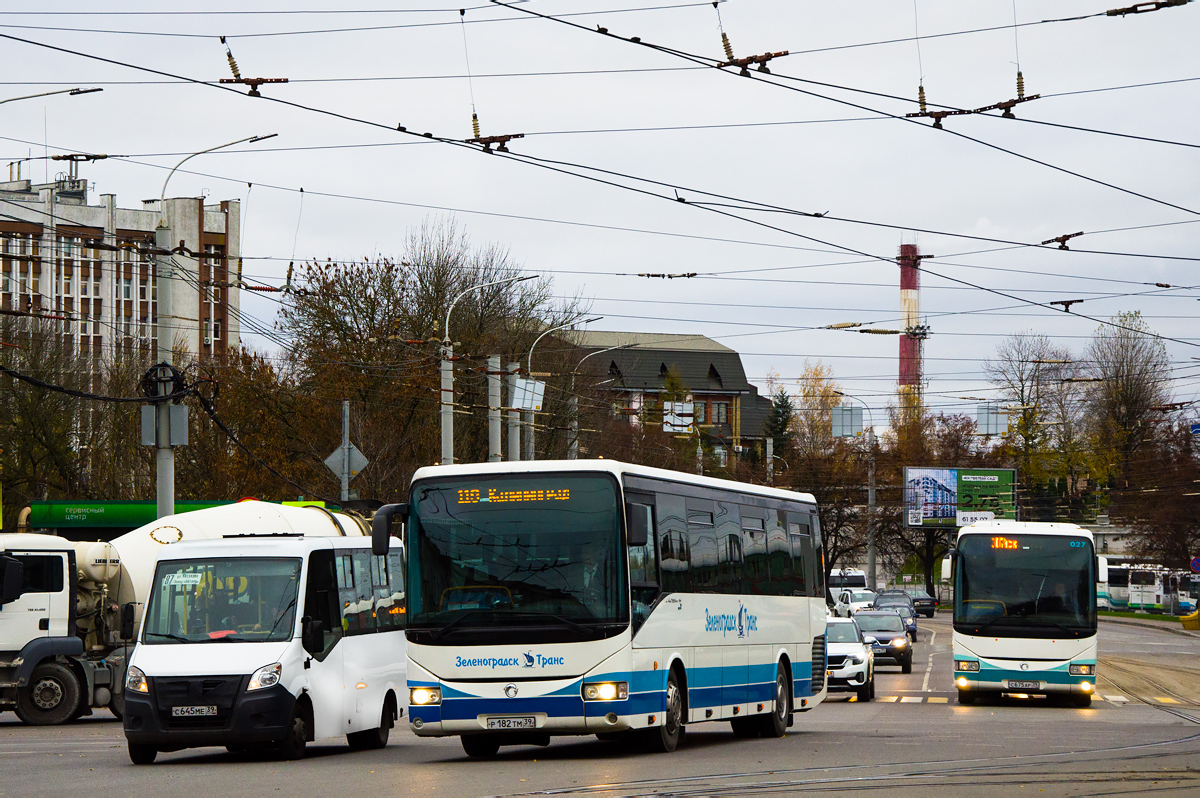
(966, 665)
(605, 691)
(135, 681)
(1083, 670)
(424, 696)
(266, 676)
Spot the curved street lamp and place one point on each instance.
(529, 450)
(871, 545)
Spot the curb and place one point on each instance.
(1150, 625)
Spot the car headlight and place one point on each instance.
(266, 676)
(1083, 670)
(605, 691)
(424, 696)
(900, 642)
(854, 660)
(966, 665)
(135, 681)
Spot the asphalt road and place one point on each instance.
(1140, 737)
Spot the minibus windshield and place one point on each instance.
(234, 599)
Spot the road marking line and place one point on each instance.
(1162, 699)
(1116, 699)
(887, 699)
(929, 664)
(935, 699)
(911, 699)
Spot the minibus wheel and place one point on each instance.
(142, 754)
(372, 738)
(291, 747)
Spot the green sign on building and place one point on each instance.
(126, 514)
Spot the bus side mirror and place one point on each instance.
(948, 566)
(1102, 569)
(127, 612)
(381, 527)
(312, 634)
(12, 578)
(638, 526)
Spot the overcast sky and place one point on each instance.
(596, 101)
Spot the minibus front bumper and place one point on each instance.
(241, 718)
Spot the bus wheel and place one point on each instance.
(775, 723)
(373, 738)
(666, 738)
(480, 746)
(51, 697)
(965, 697)
(1082, 701)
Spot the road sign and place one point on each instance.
(527, 395)
(1196, 565)
(358, 460)
(1196, 429)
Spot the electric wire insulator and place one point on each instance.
(1020, 85)
(233, 67)
(475, 124)
(728, 47)
(921, 97)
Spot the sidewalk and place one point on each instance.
(1173, 627)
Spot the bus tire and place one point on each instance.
(774, 723)
(52, 696)
(480, 746)
(966, 697)
(1082, 701)
(666, 738)
(142, 754)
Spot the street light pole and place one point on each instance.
(871, 543)
(529, 450)
(72, 92)
(164, 341)
(573, 443)
(447, 370)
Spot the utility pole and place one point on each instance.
(514, 417)
(770, 461)
(493, 383)
(345, 450)
(573, 426)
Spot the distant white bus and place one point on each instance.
(1025, 610)
(840, 578)
(593, 597)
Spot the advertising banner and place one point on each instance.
(954, 497)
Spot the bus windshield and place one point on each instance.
(1025, 586)
(516, 559)
(228, 600)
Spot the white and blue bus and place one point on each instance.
(593, 597)
(1025, 610)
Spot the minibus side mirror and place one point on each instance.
(638, 524)
(12, 578)
(312, 634)
(381, 527)
(127, 612)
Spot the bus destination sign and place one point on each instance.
(494, 496)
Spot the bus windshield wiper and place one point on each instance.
(438, 634)
(567, 622)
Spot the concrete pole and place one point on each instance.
(528, 422)
(345, 450)
(447, 402)
(573, 443)
(770, 461)
(493, 382)
(514, 417)
(871, 532)
(164, 473)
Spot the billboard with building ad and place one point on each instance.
(953, 497)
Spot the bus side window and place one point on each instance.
(818, 564)
(754, 550)
(674, 552)
(364, 590)
(321, 599)
(702, 546)
(730, 552)
(801, 557)
(779, 554)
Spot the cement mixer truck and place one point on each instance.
(69, 612)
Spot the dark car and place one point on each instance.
(922, 601)
(902, 608)
(886, 632)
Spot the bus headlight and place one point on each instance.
(966, 665)
(266, 676)
(1083, 670)
(424, 696)
(135, 681)
(605, 691)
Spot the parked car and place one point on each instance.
(902, 608)
(885, 631)
(850, 601)
(851, 662)
(922, 601)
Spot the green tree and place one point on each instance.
(779, 421)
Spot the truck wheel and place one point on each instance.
(51, 697)
(142, 754)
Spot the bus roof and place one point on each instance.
(614, 467)
(1025, 528)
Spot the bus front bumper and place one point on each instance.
(1055, 681)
